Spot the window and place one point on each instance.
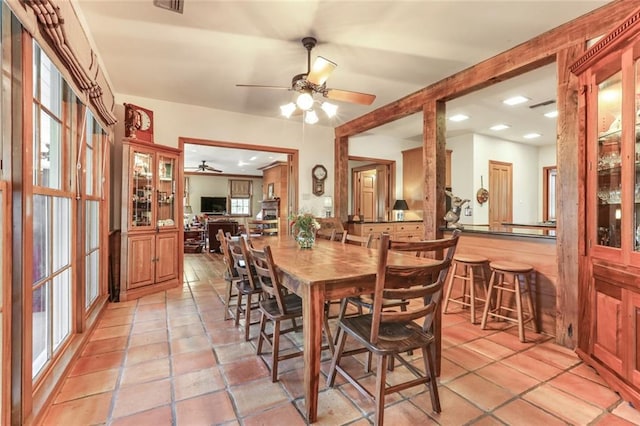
(54, 111)
(95, 142)
(240, 192)
(241, 206)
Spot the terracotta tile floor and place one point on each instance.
(171, 359)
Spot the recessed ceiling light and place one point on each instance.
(531, 135)
(459, 117)
(498, 127)
(253, 158)
(551, 114)
(516, 100)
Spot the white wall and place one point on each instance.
(385, 148)
(479, 149)
(462, 175)
(315, 143)
(218, 186)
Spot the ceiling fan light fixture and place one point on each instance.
(329, 109)
(288, 109)
(310, 117)
(304, 101)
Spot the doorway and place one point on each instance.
(225, 155)
(500, 193)
(370, 188)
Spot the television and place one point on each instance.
(213, 205)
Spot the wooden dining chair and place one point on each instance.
(277, 306)
(247, 287)
(362, 240)
(391, 333)
(326, 234)
(271, 227)
(231, 275)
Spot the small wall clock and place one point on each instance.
(319, 174)
(138, 123)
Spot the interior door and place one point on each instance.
(500, 193)
(367, 199)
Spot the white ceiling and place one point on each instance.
(388, 48)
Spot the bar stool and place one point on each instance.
(470, 264)
(520, 274)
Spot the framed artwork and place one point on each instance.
(270, 193)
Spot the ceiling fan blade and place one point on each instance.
(212, 169)
(321, 70)
(348, 96)
(261, 86)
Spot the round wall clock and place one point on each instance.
(319, 174)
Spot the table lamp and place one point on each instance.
(328, 205)
(399, 207)
(188, 211)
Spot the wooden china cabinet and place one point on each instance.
(609, 292)
(150, 229)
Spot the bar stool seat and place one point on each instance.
(471, 264)
(519, 287)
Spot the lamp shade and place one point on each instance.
(328, 202)
(400, 205)
(188, 210)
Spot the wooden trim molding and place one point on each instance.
(611, 41)
(58, 21)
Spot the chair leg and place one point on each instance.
(381, 376)
(247, 317)
(327, 332)
(275, 347)
(337, 355)
(238, 308)
(261, 338)
(485, 313)
(472, 292)
(518, 296)
(227, 299)
(427, 356)
(452, 275)
(527, 280)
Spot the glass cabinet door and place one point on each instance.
(142, 189)
(609, 179)
(166, 190)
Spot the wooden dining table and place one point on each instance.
(329, 271)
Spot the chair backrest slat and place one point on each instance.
(363, 240)
(265, 268)
(226, 256)
(326, 234)
(421, 283)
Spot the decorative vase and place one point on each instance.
(306, 239)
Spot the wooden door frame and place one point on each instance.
(546, 171)
(493, 163)
(293, 159)
(391, 169)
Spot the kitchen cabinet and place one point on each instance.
(150, 231)
(609, 272)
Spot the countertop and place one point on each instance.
(513, 231)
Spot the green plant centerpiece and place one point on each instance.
(304, 227)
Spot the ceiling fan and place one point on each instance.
(314, 81)
(204, 167)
